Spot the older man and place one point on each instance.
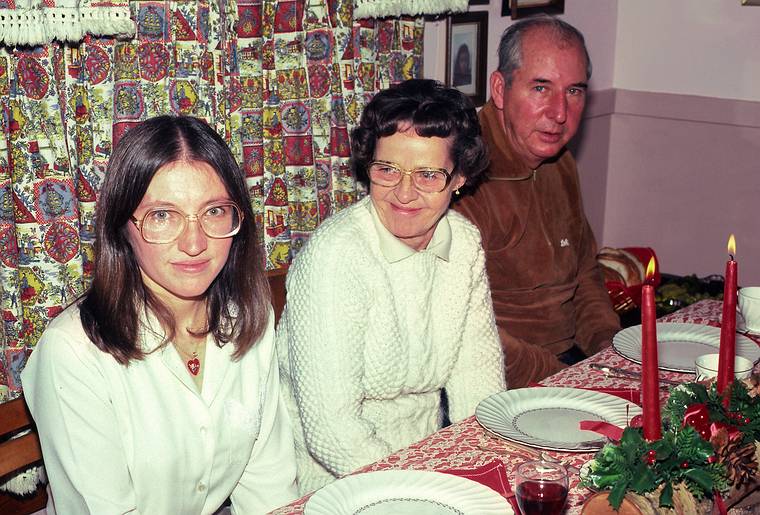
(550, 302)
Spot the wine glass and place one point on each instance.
(541, 488)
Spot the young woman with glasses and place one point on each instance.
(388, 304)
(158, 391)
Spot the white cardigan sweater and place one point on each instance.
(366, 346)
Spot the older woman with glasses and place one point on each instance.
(158, 390)
(388, 305)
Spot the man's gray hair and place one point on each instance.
(510, 46)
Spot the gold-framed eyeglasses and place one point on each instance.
(164, 225)
(425, 178)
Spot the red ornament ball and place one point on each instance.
(698, 417)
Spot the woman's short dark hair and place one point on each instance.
(237, 301)
(433, 110)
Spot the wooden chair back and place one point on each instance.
(277, 285)
(17, 454)
(21, 452)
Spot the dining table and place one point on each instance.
(467, 445)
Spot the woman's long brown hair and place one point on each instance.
(237, 301)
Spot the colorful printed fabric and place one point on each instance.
(283, 82)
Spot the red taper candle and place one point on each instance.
(650, 374)
(728, 321)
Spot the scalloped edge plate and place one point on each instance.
(679, 345)
(547, 417)
(406, 491)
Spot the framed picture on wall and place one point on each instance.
(522, 8)
(466, 54)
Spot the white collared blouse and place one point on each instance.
(142, 439)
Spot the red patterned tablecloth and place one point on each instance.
(467, 445)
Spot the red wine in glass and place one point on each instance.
(541, 498)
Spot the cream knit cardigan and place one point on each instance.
(366, 346)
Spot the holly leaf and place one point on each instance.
(644, 480)
(666, 496)
(700, 477)
(663, 448)
(617, 494)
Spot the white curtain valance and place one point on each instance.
(34, 23)
(385, 8)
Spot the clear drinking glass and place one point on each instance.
(541, 488)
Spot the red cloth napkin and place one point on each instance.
(603, 428)
(493, 475)
(630, 394)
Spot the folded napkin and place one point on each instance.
(630, 394)
(493, 475)
(603, 428)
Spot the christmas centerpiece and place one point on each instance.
(702, 454)
(707, 454)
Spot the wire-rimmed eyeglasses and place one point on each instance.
(426, 179)
(164, 225)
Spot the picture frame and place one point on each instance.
(466, 54)
(522, 8)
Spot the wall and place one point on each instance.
(683, 175)
(707, 48)
(685, 136)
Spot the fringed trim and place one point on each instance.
(66, 24)
(26, 482)
(386, 8)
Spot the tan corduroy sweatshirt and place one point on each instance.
(546, 287)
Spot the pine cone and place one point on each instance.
(753, 383)
(738, 458)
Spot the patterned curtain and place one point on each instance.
(282, 81)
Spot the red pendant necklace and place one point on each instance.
(194, 364)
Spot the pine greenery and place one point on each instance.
(682, 455)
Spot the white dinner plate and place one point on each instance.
(679, 345)
(406, 492)
(548, 417)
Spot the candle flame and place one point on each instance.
(732, 245)
(650, 269)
